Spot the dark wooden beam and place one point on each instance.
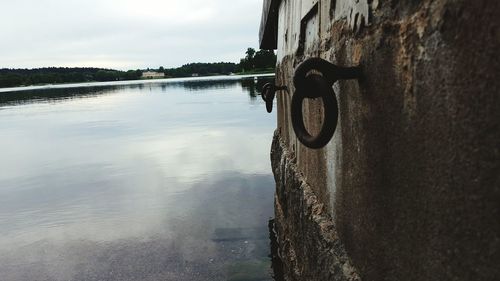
(268, 34)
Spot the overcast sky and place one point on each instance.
(125, 34)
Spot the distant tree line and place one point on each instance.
(202, 69)
(257, 61)
(253, 62)
(57, 75)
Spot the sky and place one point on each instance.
(125, 34)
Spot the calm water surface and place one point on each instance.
(147, 181)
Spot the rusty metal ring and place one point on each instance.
(264, 91)
(323, 89)
(268, 93)
(269, 103)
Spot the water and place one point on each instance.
(162, 180)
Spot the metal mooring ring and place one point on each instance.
(268, 93)
(315, 86)
(310, 85)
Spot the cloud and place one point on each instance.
(126, 34)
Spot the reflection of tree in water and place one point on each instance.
(254, 86)
(249, 85)
(199, 85)
(53, 95)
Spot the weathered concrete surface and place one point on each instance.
(411, 178)
(308, 243)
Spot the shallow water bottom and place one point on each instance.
(166, 181)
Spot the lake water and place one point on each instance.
(156, 180)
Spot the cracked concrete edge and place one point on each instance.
(308, 242)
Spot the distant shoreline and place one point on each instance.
(133, 82)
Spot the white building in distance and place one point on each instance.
(152, 75)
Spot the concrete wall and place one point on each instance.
(410, 184)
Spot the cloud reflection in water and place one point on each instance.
(133, 182)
